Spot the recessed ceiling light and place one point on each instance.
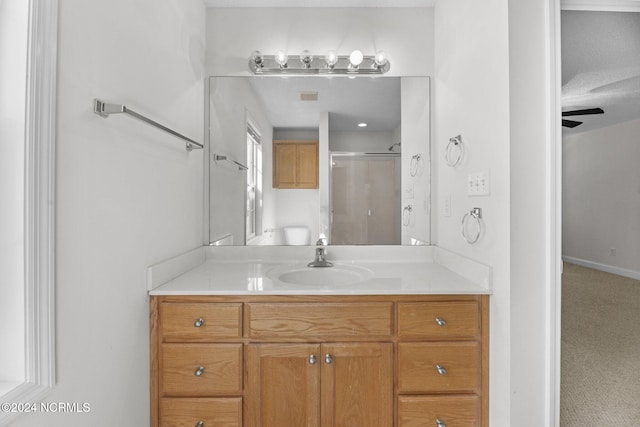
(362, 125)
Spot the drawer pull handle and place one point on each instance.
(440, 321)
(441, 370)
(328, 359)
(199, 371)
(312, 359)
(198, 322)
(440, 423)
(200, 424)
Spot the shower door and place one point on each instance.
(365, 199)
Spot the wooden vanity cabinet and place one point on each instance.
(319, 361)
(295, 164)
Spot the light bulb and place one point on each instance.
(356, 58)
(281, 58)
(257, 58)
(306, 58)
(381, 58)
(331, 58)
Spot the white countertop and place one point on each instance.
(390, 271)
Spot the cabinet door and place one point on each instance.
(284, 165)
(307, 162)
(295, 164)
(283, 385)
(357, 385)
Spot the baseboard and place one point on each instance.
(632, 274)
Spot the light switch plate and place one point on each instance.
(478, 184)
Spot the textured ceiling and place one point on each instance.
(601, 66)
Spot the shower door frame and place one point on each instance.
(358, 154)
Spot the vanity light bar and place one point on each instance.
(306, 63)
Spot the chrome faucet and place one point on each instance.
(321, 252)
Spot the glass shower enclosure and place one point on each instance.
(365, 199)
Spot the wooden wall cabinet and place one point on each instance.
(295, 164)
(319, 361)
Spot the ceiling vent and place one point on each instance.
(308, 96)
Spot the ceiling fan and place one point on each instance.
(584, 112)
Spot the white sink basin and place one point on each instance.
(338, 275)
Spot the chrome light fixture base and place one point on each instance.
(269, 64)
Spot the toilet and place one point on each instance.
(296, 235)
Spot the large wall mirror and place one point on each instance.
(293, 159)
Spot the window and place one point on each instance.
(31, 335)
(254, 184)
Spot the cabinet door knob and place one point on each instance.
(312, 359)
(199, 371)
(441, 369)
(328, 359)
(440, 321)
(440, 423)
(198, 322)
(200, 423)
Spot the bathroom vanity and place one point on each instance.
(261, 342)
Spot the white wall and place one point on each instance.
(416, 172)
(471, 98)
(601, 197)
(360, 142)
(14, 16)
(292, 134)
(406, 34)
(324, 181)
(127, 195)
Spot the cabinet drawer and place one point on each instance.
(200, 322)
(439, 367)
(439, 320)
(314, 321)
(219, 412)
(201, 369)
(452, 411)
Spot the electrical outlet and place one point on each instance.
(478, 184)
(446, 207)
(612, 252)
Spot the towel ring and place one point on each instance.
(476, 214)
(415, 164)
(406, 215)
(451, 159)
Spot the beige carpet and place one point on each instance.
(600, 378)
